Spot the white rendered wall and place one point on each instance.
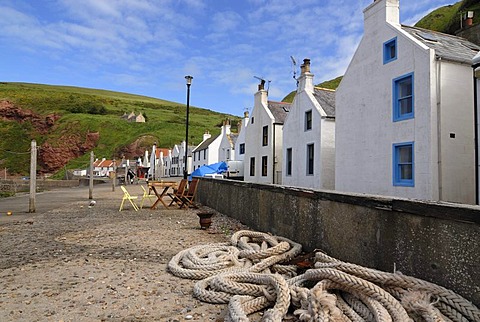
(477, 75)
(241, 140)
(457, 154)
(260, 117)
(327, 154)
(365, 130)
(226, 150)
(297, 138)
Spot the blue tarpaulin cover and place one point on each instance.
(218, 168)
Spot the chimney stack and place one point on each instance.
(305, 66)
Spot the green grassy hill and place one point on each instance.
(83, 110)
(446, 19)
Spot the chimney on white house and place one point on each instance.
(381, 11)
(226, 127)
(261, 97)
(305, 81)
(206, 135)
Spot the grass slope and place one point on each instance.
(84, 110)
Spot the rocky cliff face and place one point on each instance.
(51, 156)
(8, 111)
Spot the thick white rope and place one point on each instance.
(251, 275)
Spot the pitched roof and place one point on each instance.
(205, 143)
(446, 46)
(279, 110)
(326, 98)
(232, 137)
(103, 163)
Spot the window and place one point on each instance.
(253, 120)
(204, 154)
(403, 98)
(265, 136)
(264, 166)
(252, 167)
(403, 164)
(308, 120)
(310, 155)
(288, 170)
(228, 154)
(390, 50)
(242, 148)
(194, 156)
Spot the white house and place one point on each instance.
(240, 143)
(226, 148)
(309, 136)
(177, 155)
(404, 112)
(103, 167)
(177, 160)
(215, 149)
(263, 139)
(476, 69)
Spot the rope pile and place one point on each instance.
(251, 274)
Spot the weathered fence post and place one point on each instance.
(90, 190)
(33, 175)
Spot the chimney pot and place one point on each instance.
(261, 86)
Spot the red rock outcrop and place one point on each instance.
(73, 146)
(50, 158)
(8, 111)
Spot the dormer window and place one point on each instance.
(390, 50)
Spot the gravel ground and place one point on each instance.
(80, 263)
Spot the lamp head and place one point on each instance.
(189, 79)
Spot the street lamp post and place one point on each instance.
(185, 170)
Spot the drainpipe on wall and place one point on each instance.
(439, 129)
(273, 158)
(476, 74)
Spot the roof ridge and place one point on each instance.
(325, 89)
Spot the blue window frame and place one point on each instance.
(403, 164)
(390, 50)
(403, 97)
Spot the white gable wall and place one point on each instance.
(295, 137)
(261, 116)
(365, 131)
(241, 139)
(226, 150)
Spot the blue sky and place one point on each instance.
(147, 47)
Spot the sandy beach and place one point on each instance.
(81, 263)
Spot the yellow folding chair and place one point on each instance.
(127, 196)
(146, 195)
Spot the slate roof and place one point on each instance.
(326, 99)
(205, 143)
(279, 110)
(446, 46)
(232, 137)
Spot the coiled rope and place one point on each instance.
(251, 273)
